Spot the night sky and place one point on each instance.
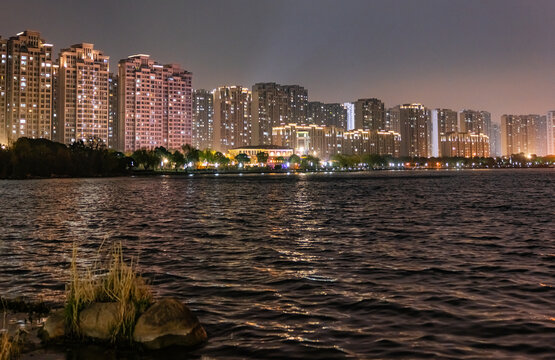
(496, 55)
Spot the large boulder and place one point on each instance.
(99, 319)
(55, 326)
(168, 323)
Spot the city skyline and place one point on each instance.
(476, 61)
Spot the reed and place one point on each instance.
(108, 280)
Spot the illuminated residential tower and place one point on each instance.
(232, 117)
(26, 89)
(82, 94)
(155, 104)
(203, 119)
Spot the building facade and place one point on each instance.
(465, 144)
(350, 107)
(82, 94)
(443, 121)
(315, 140)
(333, 114)
(414, 123)
(370, 114)
(26, 91)
(276, 154)
(232, 117)
(274, 105)
(155, 104)
(372, 142)
(495, 140)
(203, 119)
(550, 138)
(393, 118)
(475, 121)
(519, 134)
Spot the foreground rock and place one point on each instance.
(54, 326)
(168, 323)
(99, 319)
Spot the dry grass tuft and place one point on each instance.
(111, 280)
(9, 346)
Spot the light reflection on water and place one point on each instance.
(403, 264)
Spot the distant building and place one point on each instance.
(464, 144)
(232, 117)
(370, 114)
(519, 134)
(360, 142)
(269, 108)
(316, 140)
(154, 104)
(350, 107)
(315, 113)
(298, 103)
(203, 119)
(327, 114)
(443, 121)
(274, 105)
(477, 122)
(550, 124)
(274, 153)
(326, 141)
(392, 119)
(26, 91)
(414, 120)
(495, 140)
(541, 136)
(82, 94)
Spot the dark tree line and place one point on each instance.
(30, 158)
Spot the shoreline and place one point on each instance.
(213, 172)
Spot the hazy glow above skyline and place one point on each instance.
(485, 55)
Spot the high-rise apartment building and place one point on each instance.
(315, 113)
(232, 117)
(519, 134)
(550, 138)
(273, 105)
(392, 119)
(203, 119)
(327, 114)
(495, 140)
(155, 104)
(541, 136)
(414, 121)
(370, 114)
(297, 97)
(443, 121)
(25, 87)
(350, 107)
(82, 94)
(477, 122)
(269, 108)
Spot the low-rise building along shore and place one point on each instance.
(326, 141)
(464, 144)
(276, 154)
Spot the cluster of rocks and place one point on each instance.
(166, 323)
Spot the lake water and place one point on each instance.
(437, 264)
